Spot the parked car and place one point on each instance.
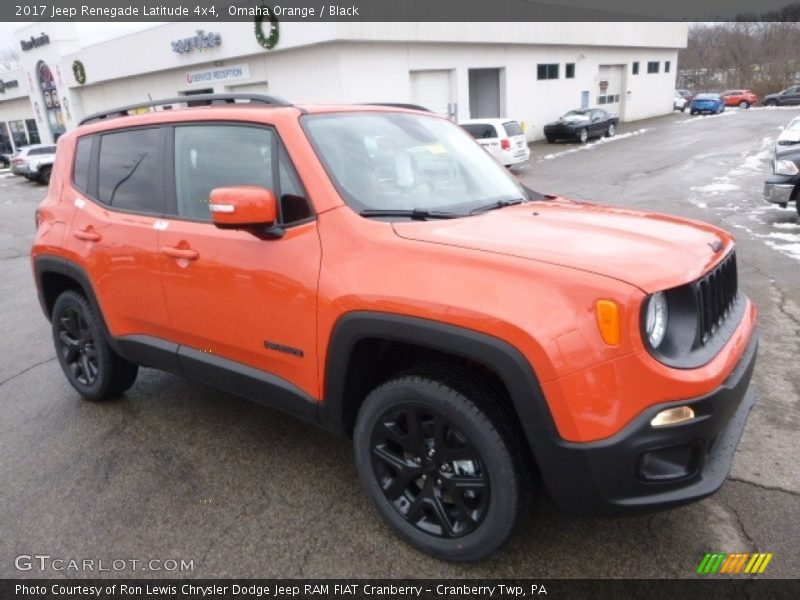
(707, 103)
(740, 98)
(783, 186)
(582, 124)
(20, 165)
(790, 134)
(679, 103)
(465, 331)
(503, 138)
(788, 97)
(39, 168)
(686, 94)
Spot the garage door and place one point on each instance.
(432, 89)
(609, 89)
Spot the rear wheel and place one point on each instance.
(693, 112)
(744, 104)
(442, 472)
(550, 140)
(771, 103)
(89, 363)
(44, 175)
(583, 135)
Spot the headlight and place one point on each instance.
(785, 167)
(656, 319)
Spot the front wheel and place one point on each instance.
(91, 366)
(611, 130)
(439, 469)
(583, 135)
(771, 103)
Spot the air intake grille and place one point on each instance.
(716, 294)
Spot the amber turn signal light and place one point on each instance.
(608, 321)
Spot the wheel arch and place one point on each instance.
(359, 339)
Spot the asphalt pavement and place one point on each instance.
(177, 470)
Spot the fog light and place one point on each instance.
(672, 416)
(666, 464)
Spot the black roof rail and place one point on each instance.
(398, 105)
(210, 98)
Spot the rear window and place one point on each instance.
(480, 131)
(512, 128)
(129, 173)
(45, 150)
(80, 170)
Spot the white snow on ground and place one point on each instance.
(593, 145)
(790, 250)
(786, 237)
(715, 188)
(774, 108)
(697, 118)
(786, 225)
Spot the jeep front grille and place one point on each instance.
(716, 294)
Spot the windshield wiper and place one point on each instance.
(495, 205)
(418, 214)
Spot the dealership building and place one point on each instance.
(531, 72)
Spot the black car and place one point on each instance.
(788, 97)
(784, 184)
(582, 124)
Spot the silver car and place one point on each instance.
(34, 162)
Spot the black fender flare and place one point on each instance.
(508, 363)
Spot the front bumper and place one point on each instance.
(778, 192)
(625, 474)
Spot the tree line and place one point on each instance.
(761, 56)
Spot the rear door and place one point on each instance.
(239, 296)
(118, 191)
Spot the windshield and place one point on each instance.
(395, 161)
(576, 114)
(794, 125)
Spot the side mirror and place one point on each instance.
(245, 207)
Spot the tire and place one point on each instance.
(797, 204)
(95, 371)
(683, 109)
(611, 130)
(583, 135)
(44, 175)
(771, 103)
(744, 104)
(693, 112)
(550, 141)
(411, 478)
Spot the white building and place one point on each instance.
(532, 72)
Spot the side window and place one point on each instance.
(129, 174)
(213, 156)
(80, 169)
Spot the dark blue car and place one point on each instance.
(707, 103)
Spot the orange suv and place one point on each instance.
(374, 271)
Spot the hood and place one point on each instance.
(789, 135)
(651, 251)
(571, 120)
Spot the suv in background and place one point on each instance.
(374, 271)
(783, 186)
(740, 98)
(788, 97)
(34, 162)
(504, 139)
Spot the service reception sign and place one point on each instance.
(218, 75)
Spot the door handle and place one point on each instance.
(186, 253)
(87, 234)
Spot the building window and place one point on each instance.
(547, 71)
(33, 131)
(569, 71)
(636, 68)
(652, 66)
(608, 99)
(666, 66)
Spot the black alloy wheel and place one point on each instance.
(429, 471)
(442, 461)
(77, 347)
(86, 358)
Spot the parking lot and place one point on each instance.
(177, 470)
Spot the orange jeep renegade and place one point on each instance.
(373, 270)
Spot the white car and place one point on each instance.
(790, 134)
(679, 103)
(34, 162)
(503, 138)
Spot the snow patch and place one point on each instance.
(593, 145)
(715, 188)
